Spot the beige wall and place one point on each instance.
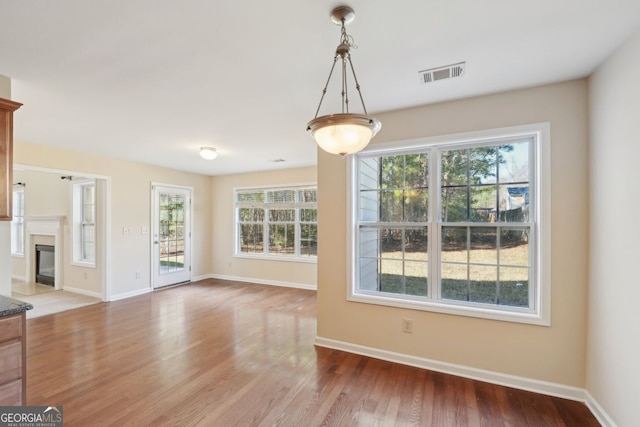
(613, 352)
(130, 208)
(556, 353)
(5, 227)
(222, 209)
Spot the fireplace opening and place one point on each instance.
(45, 265)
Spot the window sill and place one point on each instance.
(304, 260)
(84, 264)
(516, 316)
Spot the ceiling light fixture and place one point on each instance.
(208, 153)
(343, 133)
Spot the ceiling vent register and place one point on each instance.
(442, 73)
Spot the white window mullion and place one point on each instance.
(435, 228)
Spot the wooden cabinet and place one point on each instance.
(7, 108)
(13, 360)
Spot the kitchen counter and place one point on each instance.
(12, 306)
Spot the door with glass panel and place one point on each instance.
(171, 240)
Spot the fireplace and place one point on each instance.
(45, 264)
(46, 231)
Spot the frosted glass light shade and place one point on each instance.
(208, 153)
(344, 133)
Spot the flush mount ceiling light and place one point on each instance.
(343, 133)
(208, 153)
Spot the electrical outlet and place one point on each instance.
(138, 275)
(144, 230)
(407, 326)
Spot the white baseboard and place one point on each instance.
(82, 292)
(597, 411)
(130, 294)
(536, 386)
(263, 282)
(19, 278)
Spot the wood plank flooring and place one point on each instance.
(221, 353)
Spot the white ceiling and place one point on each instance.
(153, 80)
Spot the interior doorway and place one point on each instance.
(47, 217)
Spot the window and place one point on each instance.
(17, 222)
(453, 226)
(84, 223)
(278, 222)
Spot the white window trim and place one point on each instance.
(267, 256)
(76, 234)
(541, 314)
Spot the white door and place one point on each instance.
(171, 243)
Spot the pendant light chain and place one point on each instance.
(343, 51)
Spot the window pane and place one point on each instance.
(454, 244)
(87, 194)
(251, 238)
(453, 167)
(369, 242)
(417, 171)
(483, 284)
(483, 204)
(392, 174)
(281, 196)
(514, 286)
(308, 239)
(416, 244)
(251, 215)
(454, 281)
(391, 276)
(454, 204)
(514, 162)
(514, 203)
(308, 195)
(308, 215)
(281, 239)
(391, 243)
(482, 165)
(391, 206)
(252, 196)
(88, 213)
(282, 215)
(514, 246)
(416, 278)
(483, 245)
(416, 205)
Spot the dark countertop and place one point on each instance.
(12, 306)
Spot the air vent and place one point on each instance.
(442, 73)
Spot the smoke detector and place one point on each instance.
(442, 73)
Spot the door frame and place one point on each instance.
(154, 226)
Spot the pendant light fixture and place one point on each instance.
(345, 132)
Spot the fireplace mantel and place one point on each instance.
(44, 225)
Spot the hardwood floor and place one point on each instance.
(221, 353)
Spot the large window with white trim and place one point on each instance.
(17, 221)
(452, 226)
(84, 223)
(277, 222)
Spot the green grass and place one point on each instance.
(512, 293)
